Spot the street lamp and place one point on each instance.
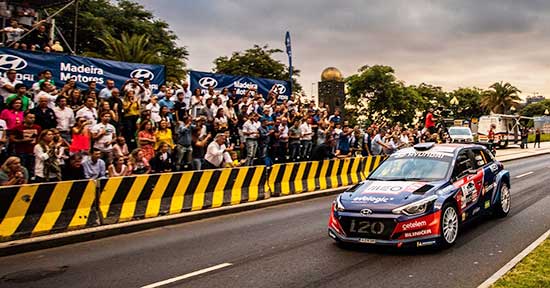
(513, 109)
(546, 112)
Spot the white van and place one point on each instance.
(507, 131)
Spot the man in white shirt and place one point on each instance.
(251, 134)
(65, 118)
(104, 135)
(7, 84)
(45, 92)
(306, 138)
(215, 151)
(88, 112)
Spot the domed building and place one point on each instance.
(331, 89)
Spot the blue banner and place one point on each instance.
(82, 69)
(203, 80)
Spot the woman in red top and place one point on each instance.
(81, 137)
(146, 140)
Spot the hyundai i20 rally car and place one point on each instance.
(422, 196)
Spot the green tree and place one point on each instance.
(257, 62)
(536, 109)
(500, 98)
(99, 20)
(469, 103)
(375, 93)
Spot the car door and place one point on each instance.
(468, 179)
(484, 160)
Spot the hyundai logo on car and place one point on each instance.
(142, 74)
(207, 82)
(8, 62)
(366, 212)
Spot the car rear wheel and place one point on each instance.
(449, 224)
(502, 207)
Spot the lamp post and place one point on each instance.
(546, 112)
(454, 103)
(512, 110)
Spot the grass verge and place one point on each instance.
(543, 138)
(533, 271)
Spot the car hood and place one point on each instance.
(387, 195)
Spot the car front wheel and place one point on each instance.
(449, 224)
(502, 207)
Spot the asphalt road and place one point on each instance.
(288, 246)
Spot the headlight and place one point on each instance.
(338, 205)
(417, 207)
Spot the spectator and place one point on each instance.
(344, 148)
(92, 90)
(8, 85)
(21, 92)
(166, 116)
(180, 107)
(200, 142)
(48, 92)
(196, 103)
(429, 123)
(23, 138)
(80, 138)
(14, 33)
(133, 87)
(164, 135)
(39, 39)
(118, 168)
(146, 140)
(13, 173)
(163, 161)
(324, 151)
(105, 93)
(537, 138)
(184, 143)
(88, 111)
(68, 88)
(75, 100)
(306, 139)
(104, 136)
(295, 133)
(138, 164)
(106, 107)
(131, 114)
(94, 167)
(335, 118)
(221, 123)
(13, 116)
(166, 102)
(116, 104)
(120, 149)
(214, 155)
(264, 142)
(65, 118)
(45, 116)
(251, 134)
(46, 166)
(154, 107)
(74, 169)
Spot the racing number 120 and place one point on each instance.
(366, 227)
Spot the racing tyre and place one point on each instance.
(502, 207)
(448, 224)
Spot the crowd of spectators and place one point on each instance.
(21, 29)
(55, 131)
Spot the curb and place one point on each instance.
(524, 253)
(89, 234)
(527, 156)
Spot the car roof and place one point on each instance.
(441, 148)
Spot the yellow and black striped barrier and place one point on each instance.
(145, 196)
(36, 209)
(370, 163)
(294, 178)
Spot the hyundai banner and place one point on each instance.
(203, 80)
(82, 69)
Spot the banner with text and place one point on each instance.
(203, 80)
(82, 69)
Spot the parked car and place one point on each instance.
(460, 134)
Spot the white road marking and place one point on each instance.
(524, 174)
(514, 261)
(188, 275)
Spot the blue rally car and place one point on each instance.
(421, 196)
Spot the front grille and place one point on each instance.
(358, 227)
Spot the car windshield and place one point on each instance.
(460, 131)
(413, 168)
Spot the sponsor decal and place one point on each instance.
(366, 227)
(142, 74)
(464, 215)
(414, 225)
(394, 187)
(206, 82)
(469, 194)
(78, 73)
(418, 233)
(487, 204)
(413, 187)
(425, 243)
(372, 199)
(8, 62)
(280, 89)
(493, 167)
(435, 155)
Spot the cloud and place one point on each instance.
(448, 43)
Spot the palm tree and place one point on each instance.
(500, 98)
(134, 48)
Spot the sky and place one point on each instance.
(450, 44)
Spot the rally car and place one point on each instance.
(421, 196)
